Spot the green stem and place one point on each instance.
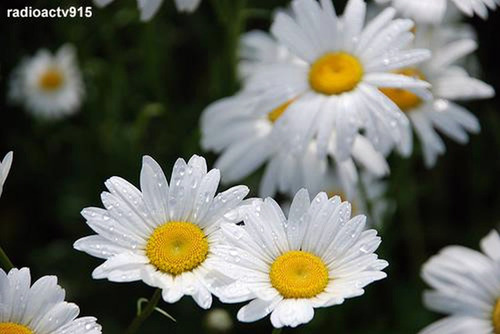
(277, 330)
(145, 313)
(5, 261)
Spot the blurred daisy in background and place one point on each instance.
(450, 83)
(149, 8)
(47, 85)
(466, 287)
(434, 11)
(248, 136)
(39, 308)
(317, 257)
(4, 169)
(218, 321)
(333, 88)
(162, 234)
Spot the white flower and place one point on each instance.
(450, 82)
(317, 257)
(433, 11)
(334, 86)
(163, 235)
(39, 308)
(466, 287)
(49, 86)
(149, 8)
(248, 135)
(4, 169)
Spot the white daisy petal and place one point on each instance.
(167, 236)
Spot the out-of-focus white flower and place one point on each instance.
(149, 8)
(318, 257)
(218, 321)
(449, 83)
(163, 234)
(332, 74)
(466, 287)
(248, 136)
(47, 85)
(39, 308)
(433, 11)
(4, 169)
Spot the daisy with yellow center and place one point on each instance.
(466, 287)
(48, 85)
(334, 69)
(163, 234)
(317, 257)
(436, 111)
(252, 128)
(39, 308)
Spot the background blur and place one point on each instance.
(147, 84)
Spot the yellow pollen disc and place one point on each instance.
(335, 73)
(51, 80)
(276, 113)
(12, 328)
(405, 99)
(177, 247)
(299, 274)
(496, 317)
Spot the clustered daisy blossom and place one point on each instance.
(466, 287)
(333, 90)
(149, 8)
(4, 169)
(39, 308)
(47, 85)
(318, 257)
(163, 234)
(450, 83)
(433, 11)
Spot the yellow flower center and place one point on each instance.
(405, 99)
(274, 115)
(12, 328)
(496, 317)
(177, 247)
(299, 274)
(335, 73)
(51, 80)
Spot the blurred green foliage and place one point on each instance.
(147, 84)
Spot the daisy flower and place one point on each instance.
(39, 308)
(334, 87)
(450, 83)
(49, 86)
(248, 135)
(317, 257)
(466, 287)
(149, 8)
(4, 169)
(162, 234)
(433, 11)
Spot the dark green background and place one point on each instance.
(146, 86)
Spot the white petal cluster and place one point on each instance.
(40, 308)
(48, 85)
(466, 287)
(320, 227)
(131, 216)
(149, 8)
(435, 11)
